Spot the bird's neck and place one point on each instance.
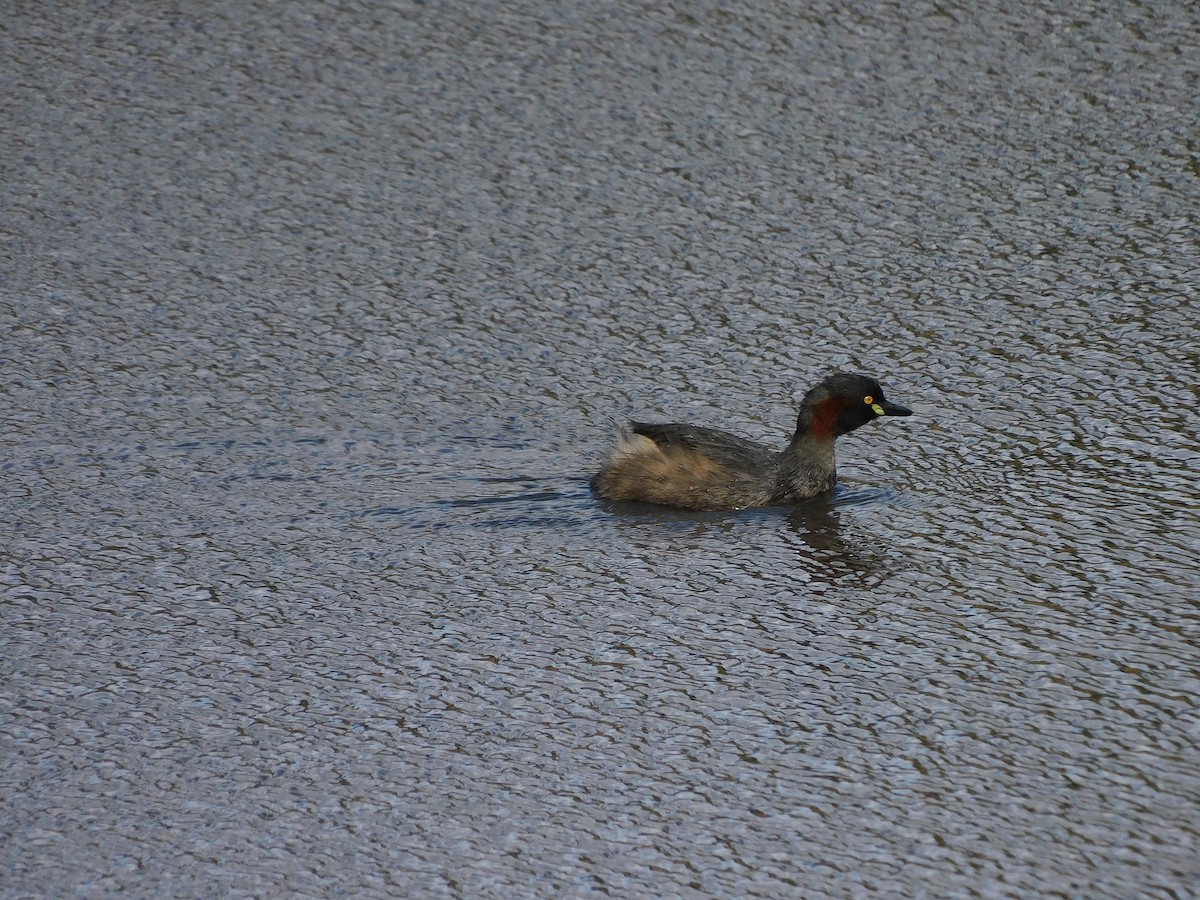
(808, 465)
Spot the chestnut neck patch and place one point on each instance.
(822, 423)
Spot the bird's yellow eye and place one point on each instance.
(868, 399)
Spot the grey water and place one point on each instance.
(317, 318)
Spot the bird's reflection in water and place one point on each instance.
(833, 547)
(831, 544)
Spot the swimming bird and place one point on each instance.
(706, 468)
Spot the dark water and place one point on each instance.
(316, 320)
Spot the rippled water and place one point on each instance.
(317, 321)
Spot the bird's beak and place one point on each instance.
(883, 408)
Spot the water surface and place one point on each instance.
(317, 320)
